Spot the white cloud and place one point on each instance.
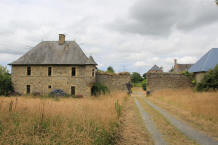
(24, 23)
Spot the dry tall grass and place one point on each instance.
(199, 108)
(84, 121)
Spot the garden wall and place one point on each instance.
(157, 81)
(114, 82)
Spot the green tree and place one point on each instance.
(136, 77)
(110, 69)
(5, 81)
(209, 81)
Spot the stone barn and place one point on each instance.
(204, 64)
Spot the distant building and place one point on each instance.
(204, 64)
(155, 69)
(178, 68)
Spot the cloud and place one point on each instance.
(117, 33)
(161, 18)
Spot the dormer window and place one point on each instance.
(29, 71)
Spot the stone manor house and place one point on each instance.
(54, 65)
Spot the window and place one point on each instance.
(49, 86)
(93, 72)
(73, 71)
(73, 90)
(28, 70)
(28, 89)
(49, 71)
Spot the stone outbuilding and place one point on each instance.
(54, 65)
(179, 68)
(204, 64)
(155, 69)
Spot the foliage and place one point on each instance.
(190, 76)
(118, 109)
(110, 69)
(144, 85)
(172, 69)
(144, 76)
(136, 77)
(209, 81)
(5, 82)
(98, 89)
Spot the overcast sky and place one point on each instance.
(130, 35)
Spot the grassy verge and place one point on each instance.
(65, 121)
(169, 132)
(199, 109)
(133, 130)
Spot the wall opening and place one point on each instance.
(28, 70)
(28, 89)
(73, 90)
(49, 71)
(73, 71)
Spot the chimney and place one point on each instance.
(61, 39)
(175, 61)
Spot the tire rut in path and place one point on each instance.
(156, 135)
(200, 138)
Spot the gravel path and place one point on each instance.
(157, 137)
(199, 137)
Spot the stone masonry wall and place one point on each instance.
(61, 78)
(114, 82)
(157, 81)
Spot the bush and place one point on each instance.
(144, 85)
(57, 93)
(209, 81)
(98, 89)
(5, 82)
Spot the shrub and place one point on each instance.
(98, 89)
(209, 81)
(57, 93)
(5, 82)
(144, 85)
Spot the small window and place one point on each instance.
(28, 89)
(73, 90)
(49, 71)
(93, 72)
(28, 70)
(73, 71)
(49, 86)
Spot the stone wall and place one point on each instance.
(114, 82)
(61, 78)
(157, 81)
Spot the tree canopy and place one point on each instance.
(110, 69)
(136, 77)
(5, 81)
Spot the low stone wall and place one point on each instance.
(114, 82)
(157, 81)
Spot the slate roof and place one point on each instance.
(206, 62)
(156, 68)
(51, 53)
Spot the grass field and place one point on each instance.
(27, 120)
(198, 108)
